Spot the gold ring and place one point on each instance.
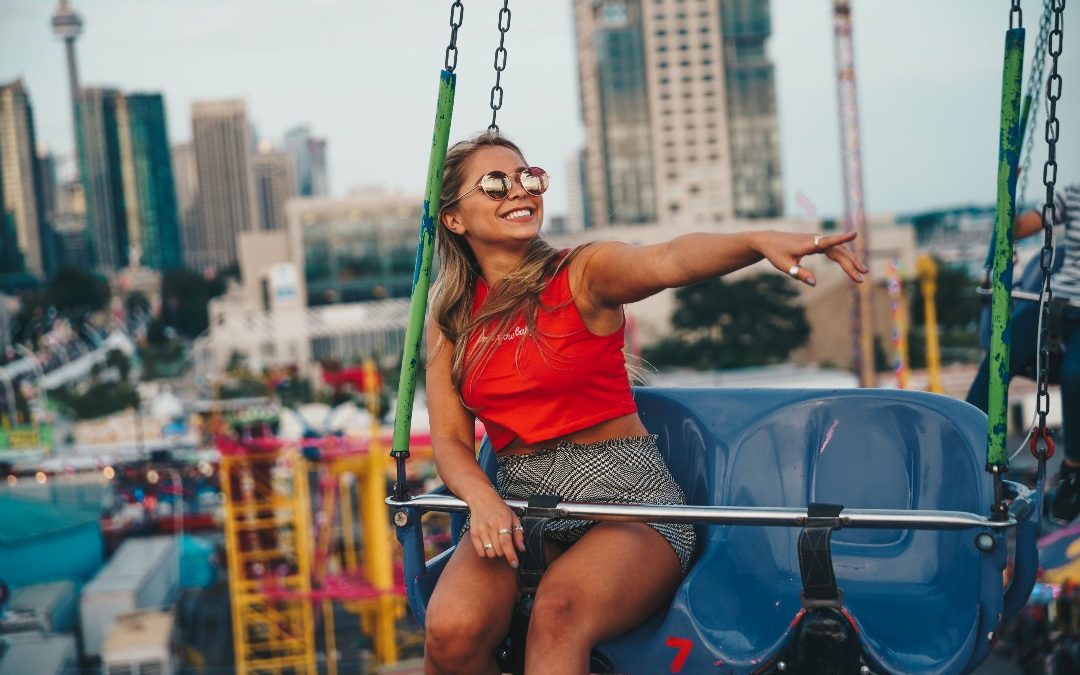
(505, 530)
(817, 243)
(793, 271)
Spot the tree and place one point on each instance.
(185, 295)
(75, 293)
(733, 324)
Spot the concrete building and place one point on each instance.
(25, 236)
(362, 247)
(668, 137)
(70, 225)
(264, 319)
(226, 199)
(274, 185)
(308, 153)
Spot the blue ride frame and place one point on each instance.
(923, 601)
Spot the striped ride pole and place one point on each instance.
(1001, 277)
(421, 280)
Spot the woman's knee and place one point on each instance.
(555, 609)
(454, 637)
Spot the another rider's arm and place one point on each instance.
(1027, 224)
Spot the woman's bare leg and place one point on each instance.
(469, 614)
(611, 580)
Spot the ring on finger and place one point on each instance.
(817, 243)
(518, 528)
(488, 547)
(506, 530)
(793, 271)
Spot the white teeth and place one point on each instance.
(519, 213)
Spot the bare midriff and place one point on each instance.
(619, 427)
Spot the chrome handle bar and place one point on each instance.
(732, 515)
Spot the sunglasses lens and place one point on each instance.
(495, 184)
(535, 180)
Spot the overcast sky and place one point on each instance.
(363, 73)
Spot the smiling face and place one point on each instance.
(485, 222)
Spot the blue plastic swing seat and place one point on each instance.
(922, 601)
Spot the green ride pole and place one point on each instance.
(421, 280)
(1001, 278)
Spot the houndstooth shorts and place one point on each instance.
(616, 471)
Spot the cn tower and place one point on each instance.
(67, 25)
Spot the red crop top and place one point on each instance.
(579, 380)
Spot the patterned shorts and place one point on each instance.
(616, 471)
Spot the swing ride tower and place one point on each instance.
(854, 215)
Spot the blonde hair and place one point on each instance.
(517, 295)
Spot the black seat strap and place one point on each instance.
(815, 557)
(533, 562)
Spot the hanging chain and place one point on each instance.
(1035, 86)
(1049, 214)
(1016, 15)
(500, 64)
(457, 15)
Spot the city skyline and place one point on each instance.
(365, 80)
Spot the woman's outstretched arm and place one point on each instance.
(614, 273)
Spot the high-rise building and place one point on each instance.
(660, 117)
(226, 198)
(186, 180)
(273, 186)
(24, 231)
(753, 126)
(102, 178)
(309, 161)
(153, 222)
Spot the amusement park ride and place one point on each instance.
(862, 531)
(289, 551)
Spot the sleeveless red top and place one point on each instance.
(573, 380)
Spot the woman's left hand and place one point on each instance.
(785, 250)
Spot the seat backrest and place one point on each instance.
(924, 600)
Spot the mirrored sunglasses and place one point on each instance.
(497, 184)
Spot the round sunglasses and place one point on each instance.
(497, 184)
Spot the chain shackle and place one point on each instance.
(457, 16)
(1016, 15)
(1049, 214)
(496, 100)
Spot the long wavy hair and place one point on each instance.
(515, 296)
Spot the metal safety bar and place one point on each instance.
(742, 515)
(1027, 295)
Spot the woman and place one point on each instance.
(529, 339)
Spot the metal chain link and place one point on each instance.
(500, 65)
(1049, 214)
(1035, 86)
(457, 15)
(1016, 14)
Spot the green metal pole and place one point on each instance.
(422, 277)
(1001, 278)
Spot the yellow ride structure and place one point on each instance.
(289, 550)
